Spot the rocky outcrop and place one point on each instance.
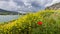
(54, 6)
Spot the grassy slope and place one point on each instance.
(50, 19)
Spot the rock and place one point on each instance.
(54, 6)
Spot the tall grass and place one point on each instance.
(28, 24)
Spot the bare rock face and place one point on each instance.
(54, 6)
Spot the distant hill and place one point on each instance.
(6, 12)
(54, 6)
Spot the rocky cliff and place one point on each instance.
(54, 6)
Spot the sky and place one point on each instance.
(26, 5)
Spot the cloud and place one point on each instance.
(56, 1)
(8, 5)
(4, 0)
(25, 5)
(52, 2)
(31, 5)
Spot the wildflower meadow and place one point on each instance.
(41, 22)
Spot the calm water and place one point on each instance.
(6, 18)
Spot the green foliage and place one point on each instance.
(28, 24)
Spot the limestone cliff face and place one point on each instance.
(54, 6)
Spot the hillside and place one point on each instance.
(54, 6)
(42, 22)
(6, 12)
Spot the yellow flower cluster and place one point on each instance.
(27, 22)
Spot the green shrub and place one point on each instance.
(28, 24)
